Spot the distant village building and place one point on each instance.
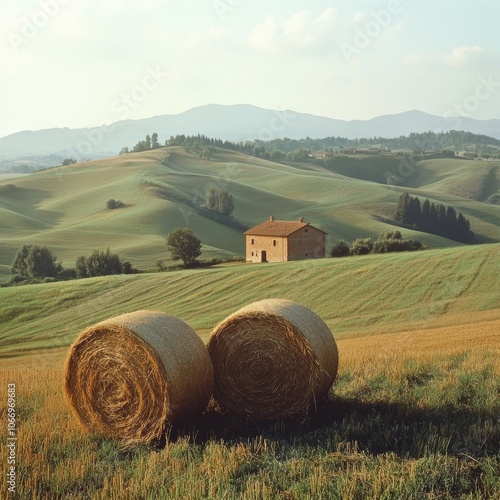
(320, 155)
(362, 151)
(281, 241)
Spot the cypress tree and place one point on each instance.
(414, 212)
(463, 232)
(433, 219)
(436, 219)
(425, 215)
(212, 198)
(399, 215)
(441, 219)
(226, 203)
(451, 222)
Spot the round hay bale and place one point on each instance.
(130, 376)
(272, 359)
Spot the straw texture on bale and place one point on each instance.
(129, 377)
(272, 359)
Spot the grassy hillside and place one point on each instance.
(355, 296)
(412, 414)
(65, 208)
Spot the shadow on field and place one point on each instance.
(32, 216)
(348, 424)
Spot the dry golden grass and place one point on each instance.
(56, 460)
(423, 345)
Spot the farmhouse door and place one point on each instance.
(263, 256)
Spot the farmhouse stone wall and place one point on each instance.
(306, 243)
(275, 249)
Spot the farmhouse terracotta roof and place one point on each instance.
(278, 228)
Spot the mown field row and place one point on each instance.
(354, 295)
(413, 412)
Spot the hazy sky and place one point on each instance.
(81, 63)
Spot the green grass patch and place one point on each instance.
(370, 294)
(65, 208)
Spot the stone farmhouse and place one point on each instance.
(282, 241)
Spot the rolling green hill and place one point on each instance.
(65, 208)
(412, 411)
(355, 296)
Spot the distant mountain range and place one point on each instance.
(232, 122)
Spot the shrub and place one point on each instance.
(67, 274)
(127, 267)
(362, 246)
(392, 235)
(111, 204)
(101, 263)
(17, 279)
(340, 249)
(386, 246)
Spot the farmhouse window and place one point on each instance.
(274, 243)
(253, 241)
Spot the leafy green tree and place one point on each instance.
(212, 198)
(300, 155)
(101, 263)
(34, 261)
(144, 145)
(140, 146)
(19, 264)
(154, 141)
(184, 245)
(394, 235)
(361, 246)
(277, 155)
(42, 263)
(81, 267)
(226, 203)
(127, 267)
(206, 152)
(340, 249)
(219, 201)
